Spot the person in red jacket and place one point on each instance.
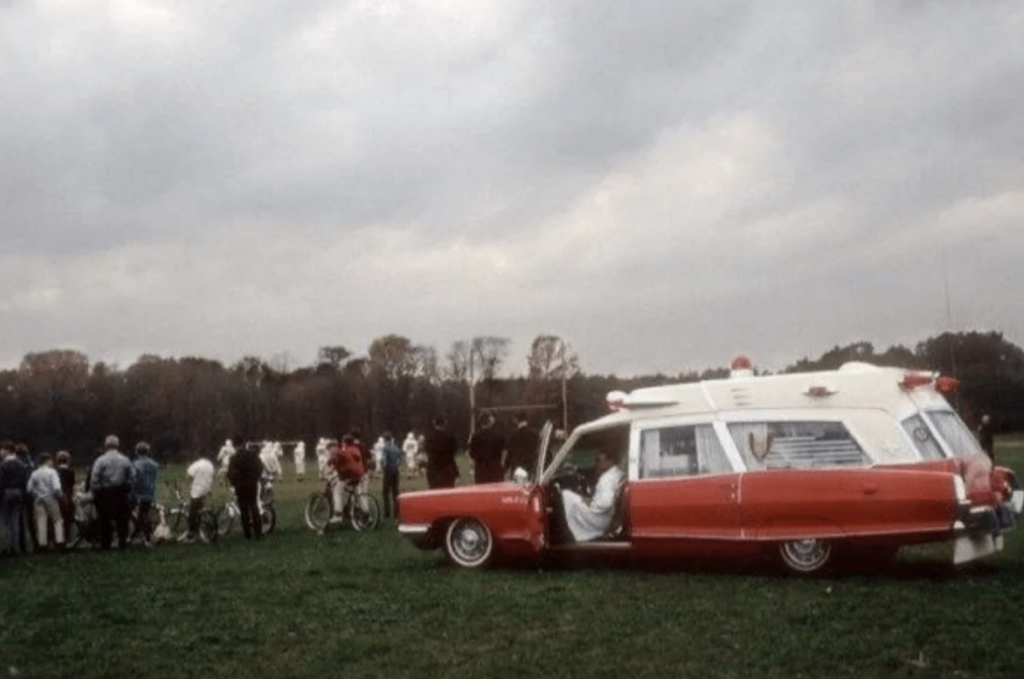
(347, 462)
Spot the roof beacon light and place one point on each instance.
(947, 384)
(616, 400)
(916, 380)
(741, 367)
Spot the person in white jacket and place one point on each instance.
(201, 472)
(299, 455)
(224, 456)
(44, 489)
(589, 519)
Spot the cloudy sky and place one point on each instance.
(665, 184)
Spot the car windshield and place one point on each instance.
(614, 441)
(959, 439)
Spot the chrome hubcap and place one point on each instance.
(470, 541)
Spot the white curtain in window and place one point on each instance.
(650, 453)
(741, 434)
(709, 452)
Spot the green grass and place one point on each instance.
(366, 605)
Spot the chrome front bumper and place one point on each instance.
(417, 533)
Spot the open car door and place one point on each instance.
(537, 504)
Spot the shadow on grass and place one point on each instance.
(899, 570)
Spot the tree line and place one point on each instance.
(58, 399)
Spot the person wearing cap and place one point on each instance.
(111, 481)
(44, 489)
(244, 472)
(144, 489)
(485, 449)
(13, 480)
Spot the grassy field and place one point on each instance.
(369, 605)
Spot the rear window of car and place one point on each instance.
(954, 432)
(921, 435)
(797, 445)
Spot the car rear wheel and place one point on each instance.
(805, 556)
(469, 543)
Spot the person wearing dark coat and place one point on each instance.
(244, 472)
(441, 447)
(485, 449)
(522, 448)
(13, 481)
(986, 438)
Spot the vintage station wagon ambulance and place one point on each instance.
(810, 468)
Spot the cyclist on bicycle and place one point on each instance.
(346, 461)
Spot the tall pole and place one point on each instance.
(565, 404)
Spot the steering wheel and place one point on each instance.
(570, 477)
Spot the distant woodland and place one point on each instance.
(59, 399)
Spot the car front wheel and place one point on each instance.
(805, 556)
(469, 543)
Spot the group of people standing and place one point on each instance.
(36, 500)
(494, 457)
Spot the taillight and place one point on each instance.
(960, 488)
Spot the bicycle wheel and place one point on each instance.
(269, 518)
(318, 511)
(177, 521)
(225, 519)
(77, 535)
(364, 512)
(208, 526)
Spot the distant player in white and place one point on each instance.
(300, 460)
(409, 449)
(270, 460)
(322, 457)
(224, 456)
(378, 455)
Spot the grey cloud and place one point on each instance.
(842, 145)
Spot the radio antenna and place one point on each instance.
(949, 331)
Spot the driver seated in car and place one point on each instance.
(589, 519)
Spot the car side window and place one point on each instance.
(922, 437)
(683, 450)
(613, 440)
(796, 445)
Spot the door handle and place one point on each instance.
(870, 489)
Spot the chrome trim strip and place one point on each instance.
(413, 528)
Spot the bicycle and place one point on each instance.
(362, 510)
(230, 512)
(84, 529)
(177, 518)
